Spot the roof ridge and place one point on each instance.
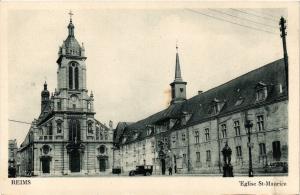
(254, 70)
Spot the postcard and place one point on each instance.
(149, 97)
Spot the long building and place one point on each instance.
(190, 134)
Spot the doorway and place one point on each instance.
(102, 165)
(46, 165)
(163, 166)
(75, 161)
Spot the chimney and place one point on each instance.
(199, 92)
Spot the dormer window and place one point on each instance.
(217, 105)
(239, 101)
(135, 136)
(149, 131)
(261, 91)
(124, 140)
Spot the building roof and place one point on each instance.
(232, 96)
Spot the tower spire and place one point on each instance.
(178, 86)
(177, 66)
(71, 25)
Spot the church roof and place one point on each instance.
(232, 96)
(71, 46)
(72, 43)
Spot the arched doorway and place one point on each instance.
(75, 160)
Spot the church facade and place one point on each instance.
(66, 139)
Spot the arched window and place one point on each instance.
(73, 76)
(70, 77)
(89, 106)
(90, 127)
(59, 127)
(97, 133)
(76, 78)
(74, 130)
(50, 129)
(46, 149)
(102, 149)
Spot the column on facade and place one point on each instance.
(36, 161)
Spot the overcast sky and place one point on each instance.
(131, 55)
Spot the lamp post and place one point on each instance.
(248, 126)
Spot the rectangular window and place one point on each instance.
(262, 149)
(183, 137)
(224, 131)
(260, 123)
(184, 157)
(239, 151)
(144, 147)
(206, 134)
(50, 132)
(237, 128)
(174, 139)
(208, 156)
(197, 156)
(197, 137)
(97, 133)
(276, 150)
(58, 105)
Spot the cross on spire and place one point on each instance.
(71, 14)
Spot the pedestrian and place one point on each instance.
(170, 170)
(175, 169)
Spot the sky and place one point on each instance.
(131, 55)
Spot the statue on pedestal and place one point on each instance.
(227, 167)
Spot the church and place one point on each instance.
(66, 139)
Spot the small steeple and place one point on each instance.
(178, 86)
(71, 25)
(44, 97)
(177, 67)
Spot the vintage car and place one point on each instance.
(276, 167)
(142, 170)
(11, 172)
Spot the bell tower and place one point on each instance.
(71, 93)
(71, 74)
(44, 97)
(178, 86)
